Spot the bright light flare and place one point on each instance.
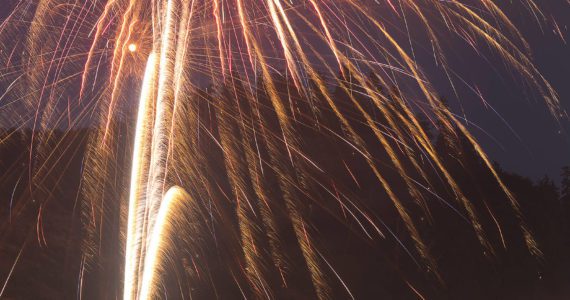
(139, 165)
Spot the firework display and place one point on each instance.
(215, 135)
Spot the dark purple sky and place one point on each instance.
(536, 144)
(519, 132)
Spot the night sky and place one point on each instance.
(536, 144)
(515, 127)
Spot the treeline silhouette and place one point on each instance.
(41, 230)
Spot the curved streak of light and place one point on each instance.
(175, 195)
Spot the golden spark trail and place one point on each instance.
(173, 199)
(145, 199)
(138, 178)
(149, 207)
(164, 106)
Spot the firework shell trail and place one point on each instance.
(138, 179)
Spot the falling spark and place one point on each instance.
(132, 47)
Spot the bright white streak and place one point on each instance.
(144, 208)
(163, 113)
(142, 128)
(174, 196)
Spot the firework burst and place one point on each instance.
(237, 168)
